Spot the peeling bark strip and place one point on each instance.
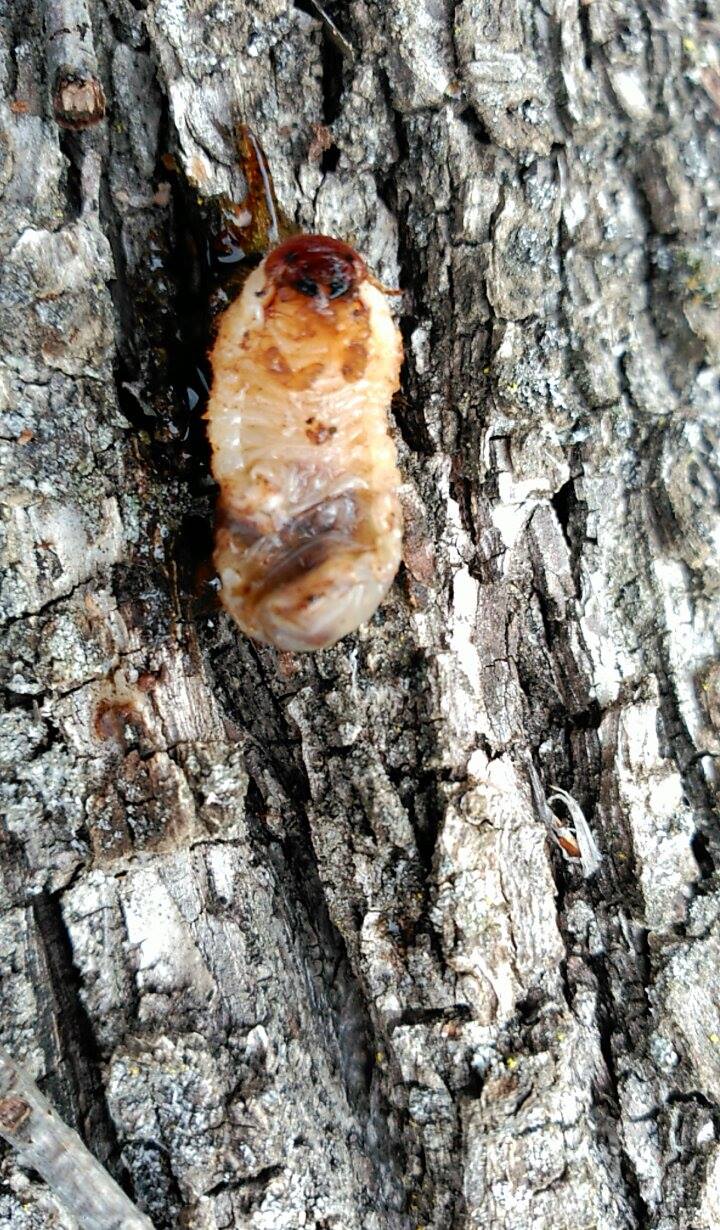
(78, 98)
(291, 942)
(29, 1124)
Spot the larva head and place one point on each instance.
(316, 266)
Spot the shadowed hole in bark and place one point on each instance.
(428, 1016)
(260, 1179)
(330, 159)
(300, 884)
(157, 1190)
(333, 65)
(691, 1097)
(676, 743)
(701, 850)
(144, 295)
(72, 150)
(75, 1086)
(192, 550)
(617, 1040)
(471, 119)
(563, 501)
(406, 406)
(586, 34)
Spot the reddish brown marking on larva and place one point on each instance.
(318, 432)
(304, 364)
(275, 362)
(354, 360)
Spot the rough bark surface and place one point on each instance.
(291, 941)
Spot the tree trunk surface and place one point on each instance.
(305, 941)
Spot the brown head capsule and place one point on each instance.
(316, 266)
(304, 366)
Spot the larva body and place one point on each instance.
(305, 363)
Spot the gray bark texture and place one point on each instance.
(306, 941)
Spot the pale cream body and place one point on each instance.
(297, 421)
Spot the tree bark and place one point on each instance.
(301, 941)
